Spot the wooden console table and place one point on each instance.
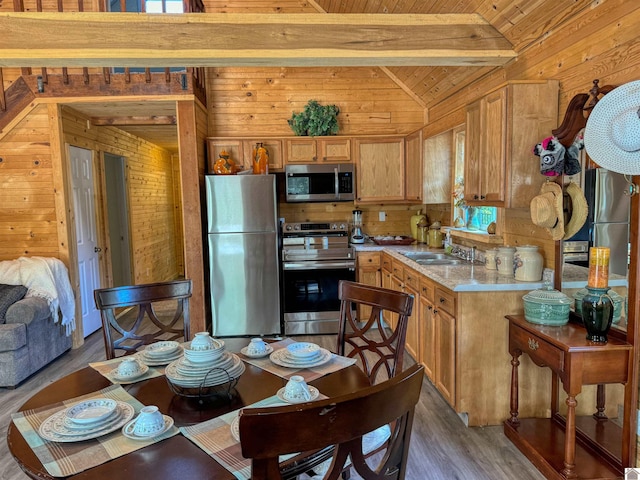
(582, 447)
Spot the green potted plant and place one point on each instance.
(315, 120)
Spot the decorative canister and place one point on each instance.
(547, 307)
(260, 159)
(504, 260)
(597, 313)
(490, 259)
(527, 263)
(436, 237)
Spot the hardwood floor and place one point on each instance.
(442, 448)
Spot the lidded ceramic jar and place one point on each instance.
(490, 259)
(527, 263)
(504, 260)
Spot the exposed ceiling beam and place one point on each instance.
(95, 39)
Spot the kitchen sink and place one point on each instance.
(439, 261)
(427, 256)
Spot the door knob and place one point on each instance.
(97, 249)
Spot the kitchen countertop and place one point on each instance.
(475, 277)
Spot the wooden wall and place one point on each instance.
(151, 189)
(261, 100)
(27, 203)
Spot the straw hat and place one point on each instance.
(546, 210)
(612, 134)
(575, 211)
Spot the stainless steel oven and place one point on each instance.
(315, 257)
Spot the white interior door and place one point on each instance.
(86, 235)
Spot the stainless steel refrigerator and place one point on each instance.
(608, 220)
(243, 249)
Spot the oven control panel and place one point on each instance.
(315, 228)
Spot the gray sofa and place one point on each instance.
(29, 338)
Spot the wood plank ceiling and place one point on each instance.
(522, 22)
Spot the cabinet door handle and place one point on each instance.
(442, 300)
(430, 307)
(475, 197)
(482, 197)
(533, 345)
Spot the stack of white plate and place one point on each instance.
(301, 355)
(160, 353)
(189, 374)
(204, 355)
(86, 420)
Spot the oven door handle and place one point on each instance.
(319, 265)
(336, 185)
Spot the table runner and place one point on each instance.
(214, 437)
(64, 459)
(106, 367)
(337, 362)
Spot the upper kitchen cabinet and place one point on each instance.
(501, 129)
(233, 147)
(241, 151)
(318, 150)
(437, 168)
(413, 167)
(380, 169)
(273, 146)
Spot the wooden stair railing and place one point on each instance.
(192, 81)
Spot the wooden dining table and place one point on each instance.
(177, 456)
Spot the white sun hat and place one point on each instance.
(612, 134)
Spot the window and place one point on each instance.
(150, 6)
(474, 219)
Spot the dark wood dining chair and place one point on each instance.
(127, 333)
(267, 433)
(379, 351)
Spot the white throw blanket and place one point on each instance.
(44, 277)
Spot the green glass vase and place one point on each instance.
(597, 314)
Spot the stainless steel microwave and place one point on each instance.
(320, 183)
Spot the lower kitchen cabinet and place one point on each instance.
(437, 336)
(405, 280)
(368, 272)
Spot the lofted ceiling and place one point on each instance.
(521, 22)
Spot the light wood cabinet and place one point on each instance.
(403, 279)
(437, 334)
(427, 330)
(380, 169)
(501, 130)
(445, 343)
(233, 147)
(369, 273)
(386, 281)
(241, 151)
(318, 150)
(438, 159)
(413, 336)
(274, 146)
(413, 167)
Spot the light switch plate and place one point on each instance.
(382, 216)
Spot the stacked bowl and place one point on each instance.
(301, 355)
(205, 363)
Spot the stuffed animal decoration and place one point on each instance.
(572, 155)
(551, 153)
